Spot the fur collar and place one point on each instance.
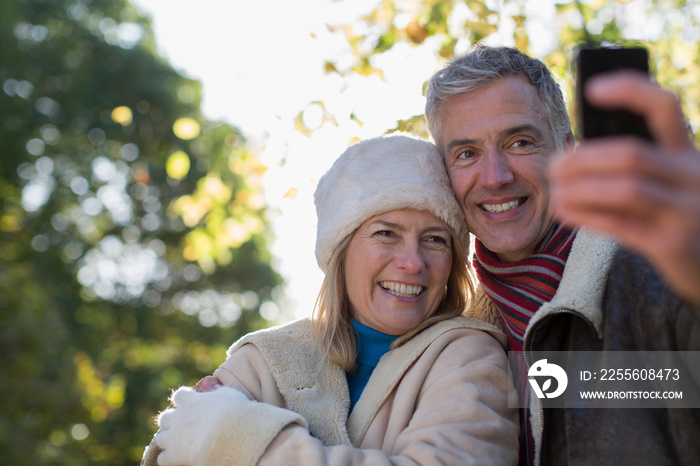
(311, 387)
(582, 286)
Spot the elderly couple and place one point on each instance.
(404, 361)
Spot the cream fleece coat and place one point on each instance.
(441, 398)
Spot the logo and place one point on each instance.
(543, 370)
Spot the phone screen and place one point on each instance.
(594, 122)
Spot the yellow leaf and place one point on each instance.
(291, 194)
(186, 128)
(10, 223)
(177, 165)
(189, 253)
(213, 187)
(122, 115)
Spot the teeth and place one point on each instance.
(402, 290)
(501, 207)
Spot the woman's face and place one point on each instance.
(396, 269)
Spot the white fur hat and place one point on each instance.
(378, 175)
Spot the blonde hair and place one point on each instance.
(331, 325)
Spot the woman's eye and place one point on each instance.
(387, 233)
(438, 240)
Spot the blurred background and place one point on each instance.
(158, 165)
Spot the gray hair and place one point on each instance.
(484, 64)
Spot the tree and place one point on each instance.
(133, 237)
(549, 30)
(132, 233)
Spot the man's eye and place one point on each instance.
(521, 143)
(466, 154)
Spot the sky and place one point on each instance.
(261, 64)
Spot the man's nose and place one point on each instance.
(496, 170)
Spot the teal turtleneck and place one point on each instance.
(371, 346)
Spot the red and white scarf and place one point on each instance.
(519, 289)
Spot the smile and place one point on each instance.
(504, 206)
(401, 290)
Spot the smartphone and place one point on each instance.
(594, 122)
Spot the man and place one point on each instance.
(498, 117)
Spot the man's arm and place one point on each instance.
(647, 195)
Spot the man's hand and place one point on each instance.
(646, 195)
(208, 384)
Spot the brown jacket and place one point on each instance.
(611, 300)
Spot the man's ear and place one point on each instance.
(569, 142)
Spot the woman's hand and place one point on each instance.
(192, 423)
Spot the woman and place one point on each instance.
(387, 371)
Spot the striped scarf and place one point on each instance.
(519, 289)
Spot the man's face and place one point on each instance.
(497, 142)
